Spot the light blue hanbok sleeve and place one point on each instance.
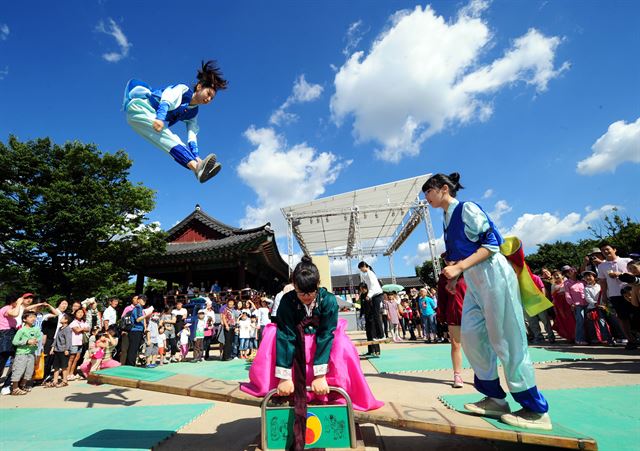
(476, 223)
(170, 100)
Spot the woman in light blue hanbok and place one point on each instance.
(492, 325)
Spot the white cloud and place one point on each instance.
(353, 37)
(4, 72)
(423, 253)
(112, 29)
(302, 92)
(621, 143)
(4, 32)
(283, 176)
(424, 74)
(487, 194)
(534, 229)
(501, 208)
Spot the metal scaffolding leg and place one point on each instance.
(393, 275)
(431, 239)
(290, 245)
(351, 291)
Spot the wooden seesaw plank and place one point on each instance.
(393, 415)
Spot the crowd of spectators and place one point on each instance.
(53, 345)
(598, 303)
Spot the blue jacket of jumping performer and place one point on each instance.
(181, 113)
(458, 245)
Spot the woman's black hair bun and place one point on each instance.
(454, 177)
(306, 259)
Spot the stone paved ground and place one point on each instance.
(234, 427)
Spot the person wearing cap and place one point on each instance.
(574, 295)
(592, 260)
(596, 322)
(608, 273)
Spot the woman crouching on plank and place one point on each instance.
(308, 347)
(492, 320)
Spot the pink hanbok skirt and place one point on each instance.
(343, 371)
(86, 366)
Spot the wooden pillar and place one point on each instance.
(241, 275)
(139, 283)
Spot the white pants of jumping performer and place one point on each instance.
(141, 115)
(493, 328)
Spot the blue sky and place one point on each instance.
(536, 103)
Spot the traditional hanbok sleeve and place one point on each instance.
(324, 334)
(285, 338)
(476, 225)
(170, 100)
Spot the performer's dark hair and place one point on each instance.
(439, 180)
(210, 76)
(306, 276)
(364, 264)
(363, 285)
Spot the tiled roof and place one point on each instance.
(184, 248)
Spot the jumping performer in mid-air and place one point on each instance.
(492, 320)
(151, 112)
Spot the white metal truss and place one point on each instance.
(395, 221)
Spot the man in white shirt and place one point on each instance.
(608, 272)
(110, 316)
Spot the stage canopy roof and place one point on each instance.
(367, 221)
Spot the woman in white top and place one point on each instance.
(375, 294)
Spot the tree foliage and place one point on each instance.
(72, 223)
(425, 272)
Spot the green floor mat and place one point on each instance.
(233, 370)
(610, 415)
(143, 374)
(124, 428)
(438, 357)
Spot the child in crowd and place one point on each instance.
(394, 315)
(596, 324)
(201, 325)
(100, 359)
(244, 328)
(255, 330)
(60, 350)
(183, 336)
(152, 342)
(407, 320)
(26, 342)
(91, 346)
(162, 344)
(428, 311)
(78, 328)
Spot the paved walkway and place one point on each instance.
(229, 427)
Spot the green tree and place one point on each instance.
(623, 233)
(72, 223)
(425, 272)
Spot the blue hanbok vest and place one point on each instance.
(139, 89)
(458, 245)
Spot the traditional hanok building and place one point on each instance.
(201, 250)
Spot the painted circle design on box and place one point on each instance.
(314, 429)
